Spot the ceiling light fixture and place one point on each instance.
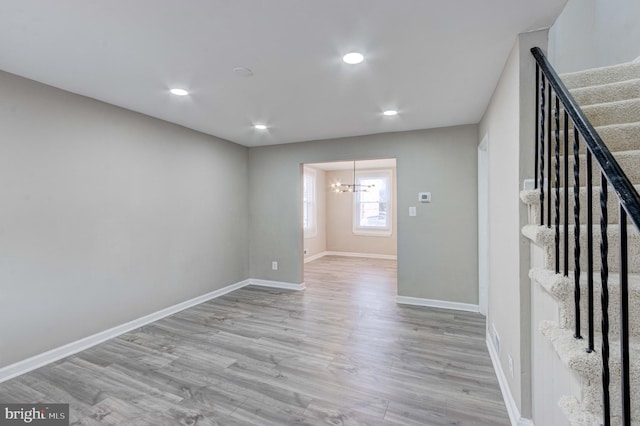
(243, 71)
(179, 92)
(351, 187)
(390, 112)
(260, 126)
(353, 58)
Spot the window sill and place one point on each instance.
(373, 233)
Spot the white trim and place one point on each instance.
(512, 407)
(483, 225)
(312, 231)
(373, 231)
(42, 359)
(276, 284)
(369, 255)
(433, 303)
(315, 257)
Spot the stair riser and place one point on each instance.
(633, 243)
(592, 396)
(612, 208)
(567, 308)
(613, 92)
(601, 76)
(620, 112)
(613, 113)
(624, 137)
(629, 161)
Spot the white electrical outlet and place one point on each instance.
(274, 265)
(510, 364)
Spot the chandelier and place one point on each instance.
(350, 187)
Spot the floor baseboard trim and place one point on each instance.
(40, 360)
(315, 257)
(276, 284)
(367, 255)
(432, 303)
(512, 407)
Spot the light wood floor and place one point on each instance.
(340, 353)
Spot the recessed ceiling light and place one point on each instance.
(353, 58)
(179, 92)
(243, 71)
(390, 112)
(260, 126)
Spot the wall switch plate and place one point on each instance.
(412, 211)
(424, 197)
(274, 265)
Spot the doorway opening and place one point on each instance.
(349, 218)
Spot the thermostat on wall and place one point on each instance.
(424, 197)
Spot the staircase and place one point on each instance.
(610, 99)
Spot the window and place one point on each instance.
(309, 203)
(372, 209)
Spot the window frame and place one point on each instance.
(310, 206)
(374, 231)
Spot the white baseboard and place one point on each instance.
(315, 257)
(512, 407)
(37, 361)
(367, 255)
(432, 303)
(276, 284)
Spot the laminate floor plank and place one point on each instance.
(342, 352)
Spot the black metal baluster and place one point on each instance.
(549, 144)
(604, 300)
(535, 152)
(566, 197)
(590, 348)
(576, 218)
(542, 120)
(556, 116)
(624, 320)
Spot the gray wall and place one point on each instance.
(107, 215)
(508, 122)
(437, 249)
(595, 33)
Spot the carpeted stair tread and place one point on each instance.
(604, 75)
(618, 91)
(532, 198)
(618, 112)
(629, 161)
(620, 137)
(577, 415)
(562, 289)
(588, 367)
(617, 137)
(545, 237)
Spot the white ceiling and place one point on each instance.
(383, 163)
(437, 62)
